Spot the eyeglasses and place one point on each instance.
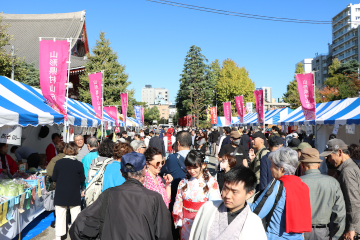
(158, 164)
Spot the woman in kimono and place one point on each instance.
(197, 188)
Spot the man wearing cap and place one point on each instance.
(326, 199)
(349, 178)
(294, 143)
(235, 148)
(157, 142)
(265, 173)
(258, 143)
(129, 211)
(299, 171)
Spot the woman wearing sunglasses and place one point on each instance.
(154, 163)
(197, 188)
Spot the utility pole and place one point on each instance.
(13, 67)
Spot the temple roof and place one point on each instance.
(27, 28)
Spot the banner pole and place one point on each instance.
(102, 104)
(67, 94)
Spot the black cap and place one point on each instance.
(294, 143)
(258, 135)
(275, 141)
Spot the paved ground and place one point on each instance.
(49, 233)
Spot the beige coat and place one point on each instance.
(51, 165)
(253, 227)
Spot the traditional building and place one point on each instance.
(26, 29)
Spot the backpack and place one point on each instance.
(94, 168)
(95, 186)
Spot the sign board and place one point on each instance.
(10, 135)
(309, 130)
(350, 129)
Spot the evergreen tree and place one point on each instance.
(151, 114)
(196, 83)
(32, 74)
(292, 92)
(233, 81)
(115, 78)
(6, 58)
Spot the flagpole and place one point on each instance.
(102, 104)
(67, 94)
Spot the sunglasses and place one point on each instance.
(158, 163)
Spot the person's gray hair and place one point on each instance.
(92, 142)
(78, 135)
(286, 158)
(136, 144)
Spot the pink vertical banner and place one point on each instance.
(213, 114)
(244, 110)
(239, 101)
(227, 113)
(96, 86)
(142, 115)
(112, 111)
(124, 104)
(53, 58)
(307, 96)
(259, 101)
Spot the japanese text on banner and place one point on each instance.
(306, 94)
(95, 85)
(53, 63)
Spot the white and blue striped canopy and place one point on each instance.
(19, 107)
(77, 115)
(347, 111)
(135, 121)
(271, 117)
(221, 121)
(297, 116)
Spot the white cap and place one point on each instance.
(294, 134)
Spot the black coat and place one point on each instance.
(133, 212)
(214, 136)
(157, 142)
(68, 175)
(245, 142)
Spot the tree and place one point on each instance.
(6, 59)
(343, 81)
(196, 83)
(32, 74)
(151, 114)
(292, 92)
(215, 68)
(233, 81)
(115, 78)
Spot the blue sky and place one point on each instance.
(152, 39)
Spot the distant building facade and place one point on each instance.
(267, 94)
(151, 95)
(307, 63)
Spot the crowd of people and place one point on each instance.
(155, 184)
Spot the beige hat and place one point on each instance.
(310, 155)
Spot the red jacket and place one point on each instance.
(12, 165)
(50, 153)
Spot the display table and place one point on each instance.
(20, 220)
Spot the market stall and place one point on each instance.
(25, 203)
(271, 117)
(221, 121)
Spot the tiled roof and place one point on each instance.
(27, 28)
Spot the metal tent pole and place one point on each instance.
(66, 125)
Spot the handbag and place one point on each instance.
(49, 201)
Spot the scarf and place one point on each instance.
(220, 228)
(298, 208)
(169, 135)
(70, 157)
(150, 184)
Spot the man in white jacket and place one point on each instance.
(231, 217)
